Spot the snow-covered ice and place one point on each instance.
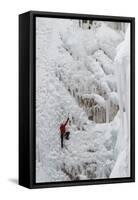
(83, 74)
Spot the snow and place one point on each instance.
(77, 76)
(108, 39)
(114, 98)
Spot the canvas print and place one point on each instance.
(82, 99)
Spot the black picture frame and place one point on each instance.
(27, 84)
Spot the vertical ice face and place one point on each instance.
(122, 66)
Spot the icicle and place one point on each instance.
(107, 110)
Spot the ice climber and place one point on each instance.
(63, 132)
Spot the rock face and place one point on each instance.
(91, 24)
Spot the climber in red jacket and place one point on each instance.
(63, 132)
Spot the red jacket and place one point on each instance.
(63, 127)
